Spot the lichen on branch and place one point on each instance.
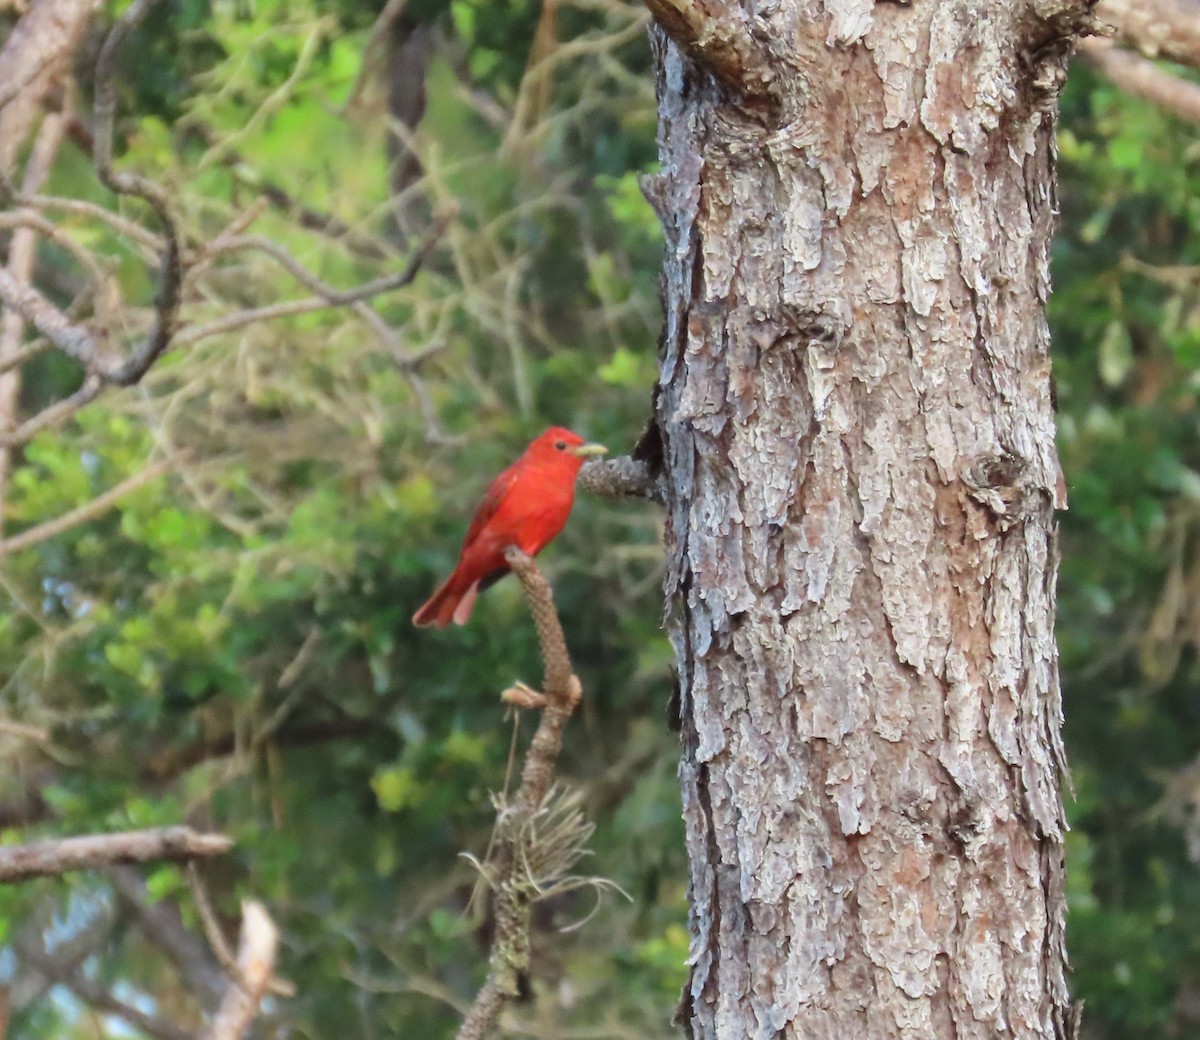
(540, 833)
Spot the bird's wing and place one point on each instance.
(497, 491)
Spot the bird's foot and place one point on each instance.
(522, 695)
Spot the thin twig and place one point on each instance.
(25, 731)
(208, 921)
(61, 855)
(56, 413)
(169, 297)
(216, 937)
(82, 514)
(32, 221)
(121, 225)
(329, 297)
(160, 922)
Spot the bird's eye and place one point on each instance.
(561, 445)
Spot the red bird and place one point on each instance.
(526, 506)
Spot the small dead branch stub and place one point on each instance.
(540, 833)
(257, 950)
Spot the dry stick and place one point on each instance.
(329, 297)
(84, 513)
(513, 899)
(60, 855)
(1141, 76)
(256, 960)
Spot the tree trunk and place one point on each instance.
(856, 414)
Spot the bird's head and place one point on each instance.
(562, 447)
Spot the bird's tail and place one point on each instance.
(451, 602)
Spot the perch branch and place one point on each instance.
(509, 872)
(61, 855)
(622, 477)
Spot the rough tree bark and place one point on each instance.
(855, 409)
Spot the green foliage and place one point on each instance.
(1127, 370)
(231, 643)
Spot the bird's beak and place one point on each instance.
(586, 451)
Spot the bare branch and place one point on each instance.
(61, 855)
(310, 219)
(718, 37)
(160, 923)
(27, 352)
(28, 72)
(128, 228)
(101, 999)
(330, 293)
(515, 886)
(329, 296)
(256, 960)
(29, 223)
(55, 414)
(1141, 76)
(84, 513)
(1167, 29)
(73, 340)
